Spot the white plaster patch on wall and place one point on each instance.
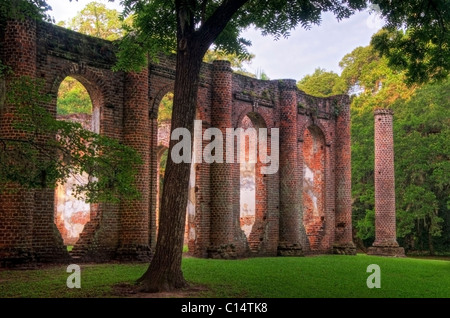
(72, 213)
(308, 185)
(248, 194)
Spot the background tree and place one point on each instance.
(322, 84)
(73, 98)
(97, 20)
(237, 61)
(422, 50)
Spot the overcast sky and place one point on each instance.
(300, 54)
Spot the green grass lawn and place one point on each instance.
(321, 276)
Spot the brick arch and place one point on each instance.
(310, 122)
(159, 96)
(259, 117)
(94, 84)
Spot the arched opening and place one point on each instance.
(161, 166)
(314, 185)
(253, 189)
(71, 214)
(164, 124)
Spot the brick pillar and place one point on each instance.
(18, 51)
(134, 215)
(222, 218)
(291, 225)
(343, 243)
(385, 230)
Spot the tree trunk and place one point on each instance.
(430, 242)
(164, 272)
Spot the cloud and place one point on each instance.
(321, 46)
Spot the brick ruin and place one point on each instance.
(385, 224)
(304, 208)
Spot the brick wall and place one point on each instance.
(125, 107)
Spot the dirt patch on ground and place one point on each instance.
(125, 290)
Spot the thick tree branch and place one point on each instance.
(203, 11)
(217, 22)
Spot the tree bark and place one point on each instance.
(164, 272)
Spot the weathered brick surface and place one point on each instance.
(314, 136)
(385, 224)
(134, 215)
(343, 187)
(291, 225)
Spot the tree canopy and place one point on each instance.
(155, 24)
(322, 84)
(97, 20)
(416, 38)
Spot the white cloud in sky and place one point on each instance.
(305, 50)
(300, 54)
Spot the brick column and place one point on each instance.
(222, 223)
(291, 224)
(343, 243)
(18, 51)
(385, 229)
(134, 215)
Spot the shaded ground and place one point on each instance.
(290, 277)
(132, 291)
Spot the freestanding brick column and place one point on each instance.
(221, 185)
(291, 224)
(134, 215)
(18, 51)
(343, 183)
(385, 230)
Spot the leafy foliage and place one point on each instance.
(322, 84)
(155, 24)
(165, 108)
(423, 166)
(423, 50)
(236, 61)
(35, 161)
(73, 98)
(97, 20)
(19, 9)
